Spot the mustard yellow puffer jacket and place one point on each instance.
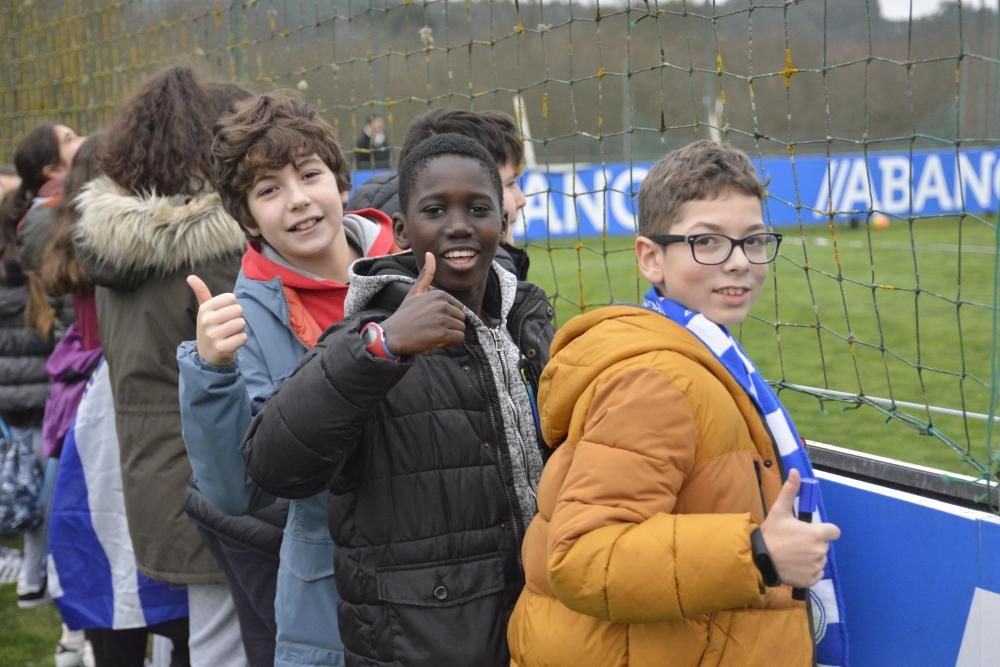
(640, 552)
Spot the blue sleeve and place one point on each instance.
(305, 434)
(216, 408)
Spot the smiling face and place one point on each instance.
(454, 212)
(298, 211)
(723, 292)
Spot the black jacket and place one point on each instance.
(381, 191)
(24, 384)
(422, 492)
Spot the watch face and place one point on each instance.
(767, 569)
(369, 335)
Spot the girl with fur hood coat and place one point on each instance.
(144, 226)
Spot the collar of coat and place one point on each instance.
(129, 235)
(588, 344)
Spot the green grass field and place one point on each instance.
(902, 313)
(27, 636)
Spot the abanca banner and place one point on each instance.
(591, 200)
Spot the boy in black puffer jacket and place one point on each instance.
(417, 412)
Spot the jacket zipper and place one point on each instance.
(812, 635)
(288, 311)
(522, 447)
(501, 448)
(760, 486)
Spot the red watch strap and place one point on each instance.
(378, 348)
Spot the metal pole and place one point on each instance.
(237, 45)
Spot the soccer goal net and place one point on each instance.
(875, 122)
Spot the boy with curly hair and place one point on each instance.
(280, 173)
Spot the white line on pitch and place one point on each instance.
(900, 245)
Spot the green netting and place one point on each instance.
(876, 336)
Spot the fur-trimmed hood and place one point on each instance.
(122, 239)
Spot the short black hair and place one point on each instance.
(495, 130)
(437, 146)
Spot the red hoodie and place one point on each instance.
(314, 305)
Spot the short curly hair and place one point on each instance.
(269, 132)
(700, 170)
(439, 145)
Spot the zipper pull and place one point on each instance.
(496, 338)
(534, 405)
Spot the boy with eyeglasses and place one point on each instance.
(665, 532)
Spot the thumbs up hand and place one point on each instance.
(221, 329)
(426, 319)
(798, 550)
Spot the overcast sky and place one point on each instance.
(897, 10)
(900, 9)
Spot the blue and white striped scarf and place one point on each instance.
(829, 629)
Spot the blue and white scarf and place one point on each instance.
(829, 629)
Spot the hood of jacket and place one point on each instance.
(362, 233)
(592, 342)
(123, 238)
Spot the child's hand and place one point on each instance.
(221, 327)
(798, 549)
(425, 320)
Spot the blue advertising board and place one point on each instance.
(592, 200)
(920, 577)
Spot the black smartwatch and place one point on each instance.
(762, 559)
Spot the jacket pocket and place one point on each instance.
(446, 613)
(760, 486)
(305, 559)
(305, 604)
(753, 637)
(441, 584)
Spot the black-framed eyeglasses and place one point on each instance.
(714, 249)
